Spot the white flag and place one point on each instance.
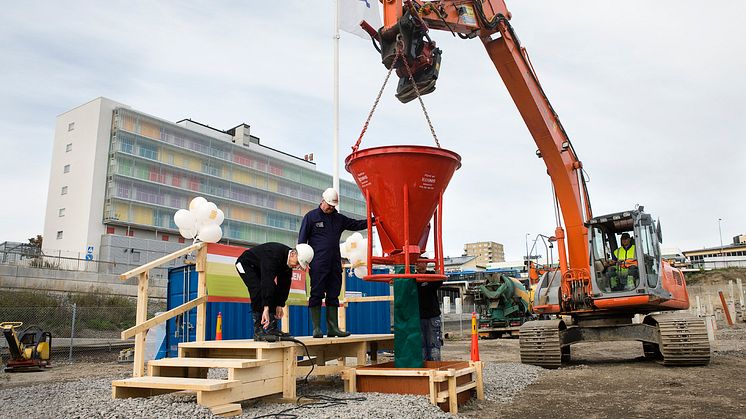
(352, 12)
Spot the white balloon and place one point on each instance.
(184, 219)
(356, 237)
(207, 213)
(220, 217)
(188, 233)
(361, 271)
(210, 233)
(196, 203)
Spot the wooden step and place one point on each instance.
(208, 362)
(175, 383)
(230, 409)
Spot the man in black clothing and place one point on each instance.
(258, 267)
(430, 323)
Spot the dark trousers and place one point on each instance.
(329, 284)
(252, 279)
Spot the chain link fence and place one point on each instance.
(79, 333)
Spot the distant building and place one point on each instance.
(461, 263)
(730, 255)
(118, 176)
(485, 252)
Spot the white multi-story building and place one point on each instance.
(118, 176)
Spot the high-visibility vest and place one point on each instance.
(623, 254)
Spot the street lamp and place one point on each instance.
(720, 231)
(527, 254)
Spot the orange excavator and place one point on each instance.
(610, 266)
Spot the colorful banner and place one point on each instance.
(224, 284)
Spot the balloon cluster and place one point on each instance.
(201, 221)
(355, 249)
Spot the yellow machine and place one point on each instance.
(29, 351)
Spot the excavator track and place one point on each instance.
(683, 340)
(540, 343)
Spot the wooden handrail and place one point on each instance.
(150, 265)
(132, 331)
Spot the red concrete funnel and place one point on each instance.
(404, 186)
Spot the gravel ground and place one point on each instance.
(91, 398)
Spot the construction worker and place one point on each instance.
(625, 272)
(258, 267)
(430, 323)
(322, 228)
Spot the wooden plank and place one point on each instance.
(371, 299)
(129, 392)
(350, 380)
(141, 315)
(243, 391)
(288, 373)
(209, 362)
(230, 409)
(142, 327)
(390, 372)
(443, 396)
(249, 375)
(160, 261)
(301, 371)
(175, 383)
(201, 291)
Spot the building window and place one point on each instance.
(69, 147)
(109, 230)
(66, 169)
(181, 240)
(70, 126)
(164, 237)
(131, 233)
(61, 212)
(59, 235)
(64, 190)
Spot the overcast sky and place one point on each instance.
(652, 95)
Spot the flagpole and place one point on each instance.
(335, 151)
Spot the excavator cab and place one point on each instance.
(625, 254)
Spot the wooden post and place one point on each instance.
(741, 299)
(725, 309)
(288, 373)
(452, 395)
(201, 290)
(286, 319)
(480, 379)
(342, 310)
(141, 316)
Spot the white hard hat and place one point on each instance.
(305, 254)
(331, 197)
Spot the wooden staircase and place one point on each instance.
(252, 373)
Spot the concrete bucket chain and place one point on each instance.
(399, 48)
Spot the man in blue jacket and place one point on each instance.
(322, 228)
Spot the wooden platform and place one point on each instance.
(255, 369)
(448, 384)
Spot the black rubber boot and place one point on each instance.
(273, 333)
(259, 334)
(332, 323)
(316, 321)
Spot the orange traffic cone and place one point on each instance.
(474, 338)
(219, 327)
